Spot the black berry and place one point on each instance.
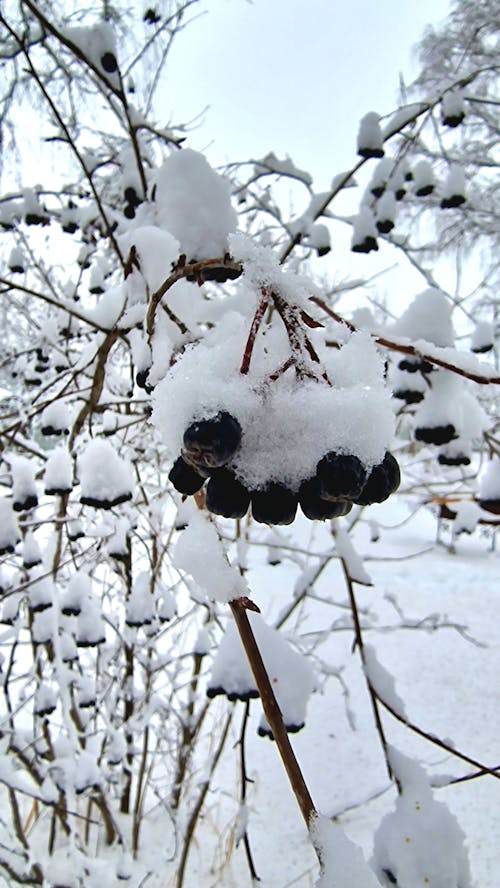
(435, 434)
(383, 480)
(211, 443)
(341, 476)
(185, 478)
(109, 63)
(226, 495)
(274, 504)
(315, 507)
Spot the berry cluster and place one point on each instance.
(340, 480)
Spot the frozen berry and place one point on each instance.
(341, 476)
(460, 459)
(411, 365)
(108, 62)
(274, 504)
(211, 443)
(185, 478)
(490, 505)
(226, 495)
(383, 480)
(315, 507)
(366, 245)
(440, 434)
(409, 395)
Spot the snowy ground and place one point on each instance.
(447, 678)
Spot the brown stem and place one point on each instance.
(272, 711)
(409, 349)
(243, 792)
(360, 644)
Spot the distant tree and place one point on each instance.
(172, 395)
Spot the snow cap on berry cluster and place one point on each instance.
(420, 841)
(428, 317)
(288, 424)
(194, 205)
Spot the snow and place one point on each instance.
(483, 336)
(423, 176)
(370, 136)
(24, 489)
(291, 674)
(381, 681)
(468, 514)
(200, 553)
(420, 842)
(55, 418)
(345, 550)
(452, 104)
(9, 528)
(106, 478)
(77, 593)
(58, 475)
(489, 485)
(427, 317)
(32, 554)
(363, 226)
(193, 204)
(41, 591)
(286, 167)
(139, 609)
(454, 183)
(156, 250)
(343, 864)
(94, 42)
(442, 403)
(108, 310)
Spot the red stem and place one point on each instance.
(254, 329)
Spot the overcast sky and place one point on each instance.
(294, 76)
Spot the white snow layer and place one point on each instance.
(200, 553)
(428, 317)
(343, 864)
(104, 476)
(290, 673)
(58, 475)
(156, 251)
(382, 681)
(194, 205)
(420, 842)
(489, 488)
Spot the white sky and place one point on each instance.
(294, 76)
